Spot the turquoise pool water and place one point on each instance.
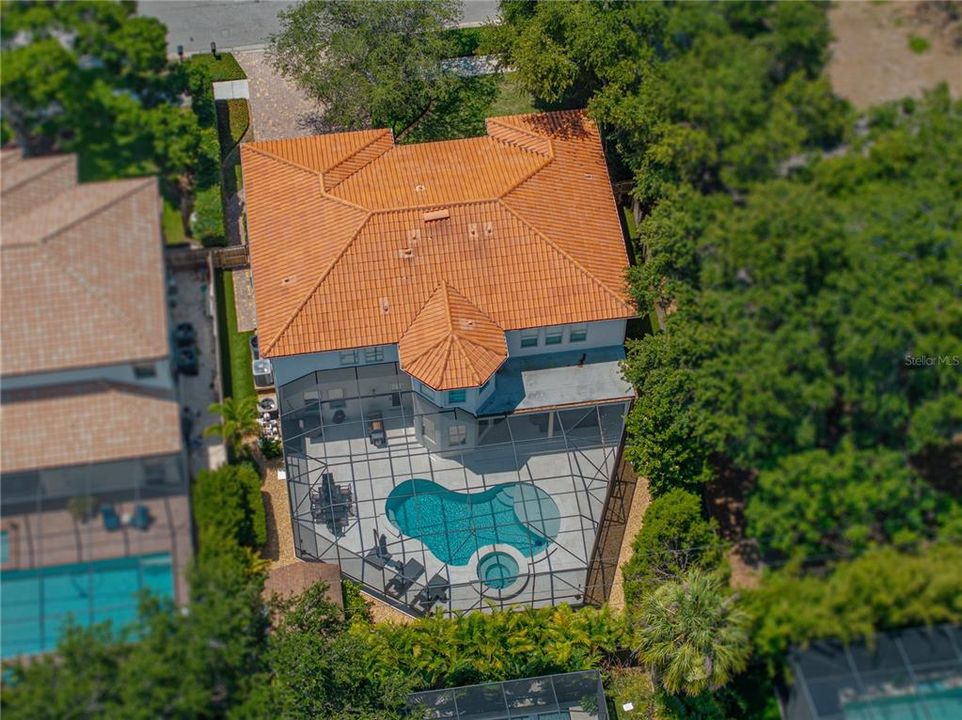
(35, 603)
(4, 546)
(455, 525)
(497, 570)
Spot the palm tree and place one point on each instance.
(692, 634)
(238, 422)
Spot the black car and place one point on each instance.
(187, 362)
(185, 335)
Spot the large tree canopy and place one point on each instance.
(376, 64)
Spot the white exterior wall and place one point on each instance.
(608, 333)
(292, 367)
(162, 379)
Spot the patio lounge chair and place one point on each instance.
(436, 590)
(110, 516)
(141, 518)
(405, 578)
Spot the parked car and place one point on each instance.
(187, 362)
(185, 335)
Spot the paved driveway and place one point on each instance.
(278, 109)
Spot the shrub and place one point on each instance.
(271, 448)
(229, 509)
(673, 537)
(207, 221)
(355, 606)
(881, 589)
(207, 173)
(918, 44)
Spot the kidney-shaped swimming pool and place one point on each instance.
(454, 525)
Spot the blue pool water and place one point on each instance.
(497, 570)
(35, 603)
(455, 525)
(4, 546)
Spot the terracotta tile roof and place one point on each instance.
(352, 237)
(27, 183)
(82, 278)
(451, 341)
(94, 422)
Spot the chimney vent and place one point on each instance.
(406, 253)
(442, 214)
(488, 229)
(473, 231)
(385, 306)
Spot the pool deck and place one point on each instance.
(575, 478)
(54, 537)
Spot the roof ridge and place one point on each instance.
(384, 132)
(550, 157)
(567, 256)
(91, 290)
(473, 304)
(324, 275)
(63, 158)
(60, 229)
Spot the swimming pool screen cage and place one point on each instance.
(567, 696)
(912, 674)
(503, 510)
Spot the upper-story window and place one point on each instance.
(578, 333)
(456, 396)
(349, 357)
(373, 354)
(553, 335)
(529, 338)
(145, 370)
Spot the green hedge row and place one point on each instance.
(229, 509)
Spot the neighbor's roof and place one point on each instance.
(439, 247)
(82, 269)
(93, 422)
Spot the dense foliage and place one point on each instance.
(227, 505)
(673, 538)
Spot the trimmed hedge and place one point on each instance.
(229, 509)
(673, 537)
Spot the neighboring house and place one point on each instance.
(446, 323)
(909, 674)
(92, 474)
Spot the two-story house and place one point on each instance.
(92, 475)
(446, 323)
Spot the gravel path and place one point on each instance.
(639, 504)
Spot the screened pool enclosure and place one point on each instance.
(435, 508)
(567, 696)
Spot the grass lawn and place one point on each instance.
(223, 67)
(233, 120)
(511, 99)
(173, 224)
(235, 351)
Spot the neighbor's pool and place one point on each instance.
(455, 525)
(37, 602)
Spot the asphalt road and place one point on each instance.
(236, 24)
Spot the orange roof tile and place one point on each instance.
(451, 341)
(345, 250)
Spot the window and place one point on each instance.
(456, 396)
(457, 434)
(395, 395)
(335, 398)
(553, 336)
(529, 338)
(349, 357)
(578, 333)
(145, 370)
(373, 354)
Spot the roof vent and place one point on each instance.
(473, 231)
(414, 236)
(288, 280)
(467, 324)
(488, 229)
(406, 253)
(442, 214)
(419, 188)
(385, 306)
